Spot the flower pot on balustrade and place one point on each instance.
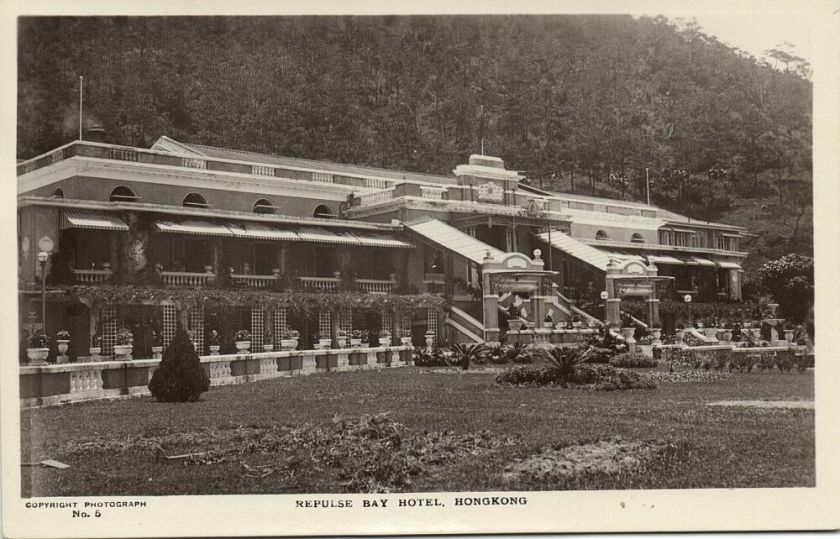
(577, 325)
(627, 333)
(405, 341)
(268, 348)
(214, 349)
(288, 344)
(355, 343)
(656, 334)
(243, 346)
(62, 346)
(123, 352)
(789, 335)
(430, 339)
(514, 325)
(94, 352)
(157, 352)
(37, 356)
(324, 343)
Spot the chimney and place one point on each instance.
(95, 133)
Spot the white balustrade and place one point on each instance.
(323, 177)
(376, 198)
(376, 183)
(219, 369)
(83, 381)
(375, 286)
(185, 278)
(254, 281)
(321, 283)
(122, 155)
(192, 162)
(92, 276)
(434, 193)
(262, 170)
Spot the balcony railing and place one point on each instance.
(376, 286)
(92, 275)
(185, 278)
(254, 281)
(434, 193)
(376, 198)
(321, 283)
(436, 278)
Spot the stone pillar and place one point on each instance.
(491, 311)
(652, 312)
(734, 277)
(613, 306)
(335, 325)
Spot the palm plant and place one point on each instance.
(466, 353)
(515, 353)
(566, 360)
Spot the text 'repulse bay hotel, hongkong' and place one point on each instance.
(223, 240)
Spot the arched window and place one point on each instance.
(601, 235)
(58, 193)
(124, 194)
(195, 200)
(264, 205)
(637, 238)
(324, 211)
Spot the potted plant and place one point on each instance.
(214, 342)
(576, 322)
(242, 338)
(268, 344)
(384, 337)
(342, 338)
(157, 345)
(356, 337)
(680, 332)
(405, 339)
(788, 332)
(124, 344)
(656, 332)
(514, 320)
(39, 348)
(628, 326)
(548, 320)
(289, 339)
(323, 341)
(95, 347)
(62, 338)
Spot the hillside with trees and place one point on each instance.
(580, 103)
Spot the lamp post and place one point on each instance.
(43, 256)
(604, 297)
(687, 299)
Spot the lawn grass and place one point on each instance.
(709, 446)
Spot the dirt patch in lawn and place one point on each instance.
(809, 405)
(602, 457)
(370, 453)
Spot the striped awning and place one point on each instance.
(700, 261)
(91, 220)
(198, 228)
(322, 235)
(665, 259)
(729, 265)
(257, 231)
(381, 241)
(598, 258)
(453, 240)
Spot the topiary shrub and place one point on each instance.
(180, 377)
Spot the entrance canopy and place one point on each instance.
(593, 256)
(453, 240)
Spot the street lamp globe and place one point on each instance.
(43, 256)
(604, 295)
(687, 298)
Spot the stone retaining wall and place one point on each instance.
(73, 382)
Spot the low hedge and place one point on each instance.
(585, 376)
(628, 360)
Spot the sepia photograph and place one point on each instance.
(443, 261)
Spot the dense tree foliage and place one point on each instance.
(790, 281)
(581, 103)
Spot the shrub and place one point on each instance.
(566, 360)
(242, 335)
(62, 335)
(124, 337)
(584, 376)
(436, 357)
(517, 353)
(180, 377)
(464, 354)
(628, 360)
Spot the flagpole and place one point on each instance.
(647, 182)
(81, 94)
